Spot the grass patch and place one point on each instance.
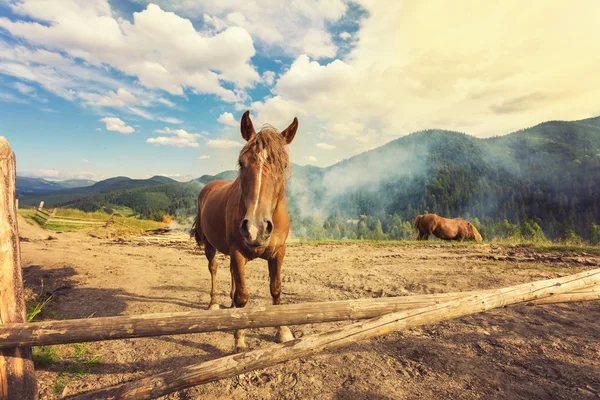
(35, 308)
(81, 350)
(59, 385)
(124, 224)
(45, 356)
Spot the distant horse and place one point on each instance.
(247, 218)
(446, 229)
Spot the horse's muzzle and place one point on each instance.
(255, 233)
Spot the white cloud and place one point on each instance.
(268, 78)
(120, 98)
(465, 71)
(46, 173)
(117, 125)
(159, 48)
(310, 159)
(11, 98)
(85, 160)
(222, 144)
(170, 120)
(203, 157)
(227, 119)
(99, 129)
(23, 88)
(177, 138)
(28, 91)
(283, 27)
(56, 175)
(345, 35)
(140, 113)
(166, 102)
(326, 146)
(46, 109)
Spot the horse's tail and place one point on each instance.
(196, 230)
(417, 220)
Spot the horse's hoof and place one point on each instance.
(284, 334)
(240, 348)
(214, 307)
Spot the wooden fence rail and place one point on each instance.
(52, 217)
(136, 326)
(225, 367)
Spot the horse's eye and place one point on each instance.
(241, 163)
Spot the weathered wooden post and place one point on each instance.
(50, 216)
(40, 207)
(17, 377)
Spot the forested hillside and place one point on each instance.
(539, 182)
(546, 177)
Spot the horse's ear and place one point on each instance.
(246, 126)
(289, 132)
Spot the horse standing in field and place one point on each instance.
(247, 218)
(446, 229)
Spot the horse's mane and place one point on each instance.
(270, 139)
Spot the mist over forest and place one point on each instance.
(540, 182)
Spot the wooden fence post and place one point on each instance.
(50, 217)
(17, 377)
(110, 219)
(40, 207)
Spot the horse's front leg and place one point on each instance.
(283, 332)
(240, 294)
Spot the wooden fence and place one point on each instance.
(52, 217)
(17, 377)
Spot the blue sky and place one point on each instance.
(102, 88)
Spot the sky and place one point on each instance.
(94, 89)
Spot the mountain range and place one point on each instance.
(549, 173)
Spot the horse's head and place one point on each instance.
(263, 163)
(474, 233)
(477, 235)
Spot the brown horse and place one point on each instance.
(446, 229)
(247, 218)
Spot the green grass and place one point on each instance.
(124, 211)
(35, 308)
(59, 385)
(45, 356)
(124, 222)
(81, 350)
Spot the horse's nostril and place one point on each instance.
(269, 227)
(244, 228)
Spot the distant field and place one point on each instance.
(123, 223)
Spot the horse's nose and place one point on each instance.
(244, 228)
(268, 227)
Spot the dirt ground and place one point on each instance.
(522, 352)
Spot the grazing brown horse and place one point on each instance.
(247, 218)
(446, 229)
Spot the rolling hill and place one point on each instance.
(68, 195)
(39, 185)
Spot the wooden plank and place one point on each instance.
(167, 382)
(42, 213)
(17, 378)
(68, 221)
(39, 208)
(111, 328)
(50, 217)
